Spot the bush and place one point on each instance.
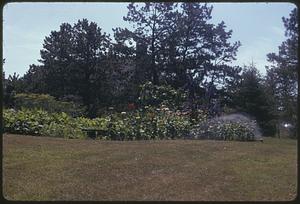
(47, 103)
(231, 127)
(25, 121)
(148, 123)
(232, 131)
(39, 122)
(141, 124)
(226, 131)
(152, 95)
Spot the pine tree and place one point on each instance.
(283, 75)
(74, 62)
(251, 98)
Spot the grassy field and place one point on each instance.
(40, 168)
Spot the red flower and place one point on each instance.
(131, 106)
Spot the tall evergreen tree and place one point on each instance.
(283, 75)
(12, 86)
(56, 56)
(179, 43)
(196, 53)
(251, 98)
(150, 28)
(74, 62)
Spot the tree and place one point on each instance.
(127, 64)
(202, 49)
(13, 85)
(90, 52)
(74, 62)
(231, 85)
(195, 53)
(282, 74)
(36, 80)
(175, 42)
(121, 77)
(251, 98)
(56, 56)
(150, 29)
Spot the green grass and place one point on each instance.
(41, 168)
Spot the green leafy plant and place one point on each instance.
(224, 131)
(142, 124)
(153, 95)
(47, 103)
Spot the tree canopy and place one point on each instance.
(282, 75)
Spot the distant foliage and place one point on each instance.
(47, 103)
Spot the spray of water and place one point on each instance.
(241, 118)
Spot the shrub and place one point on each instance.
(47, 103)
(70, 130)
(25, 121)
(232, 131)
(39, 122)
(148, 123)
(231, 127)
(225, 131)
(141, 124)
(153, 95)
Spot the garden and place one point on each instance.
(159, 115)
(164, 107)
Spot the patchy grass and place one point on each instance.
(41, 168)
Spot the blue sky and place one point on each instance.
(258, 26)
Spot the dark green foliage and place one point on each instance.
(39, 122)
(153, 95)
(11, 86)
(150, 123)
(74, 62)
(151, 28)
(282, 75)
(202, 48)
(175, 41)
(170, 68)
(47, 103)
(251, 98)
(81, 60)
(35, 81)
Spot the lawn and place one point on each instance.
(42, 168)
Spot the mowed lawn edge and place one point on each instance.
(44, 168)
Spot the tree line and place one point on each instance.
(169, 44)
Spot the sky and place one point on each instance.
(258, 26)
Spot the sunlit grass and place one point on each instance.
(41, 168)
